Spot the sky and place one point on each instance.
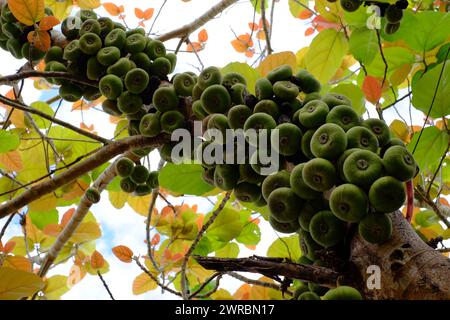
(124, 227)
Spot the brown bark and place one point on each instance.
(410, 269)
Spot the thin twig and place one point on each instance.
(421, 196)
(10, 79)
(157, 16)
(146, 271)
(265, 28)
(184, 288)
(257, 282)
(3, 231)
(105, 285)
(187, 29)
(196, 292)
(23, 107)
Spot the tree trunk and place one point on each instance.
(410, 269)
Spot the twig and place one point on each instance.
(101, 156)
(187, 29)
(398, 100)
(157, 16)
(23, 107)
(217, 275)
(188, 41)
(257, 282)
(323, 276)
(184, 288)
(444, 250)
(146, 271)
(105, 285)
(439, 167)
(3, 231)
(421, 196)
(266, 30)
(46, 74)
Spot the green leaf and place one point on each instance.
(287, 247)
(363, 45)
(426, 218)
(257, 5)
(357, 18)
(264, 211)
(56, 286)
(250, 234)
(42, 219)
(432, 145)
(249, 73)
(231, 250)
(325, 54)
(227, 225)
(8, 141)
(354, 93)
(45, 108)
(424, 89)
(297, 6)
(422, 31)
(5, 186)
(396, 57)
(184, 179)
(208, 245)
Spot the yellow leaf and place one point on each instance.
(263, 293)
(87, 4)
(18, 263)
(11, 160)
(118, 199)
(61, 9)
(400, 74)
(16, 284)
(140, 204)
(222, 294)
(401, 130)
(87, 231)
(142, 284)
(27, 11)
(33, 233)
(56, 286)
(275, 60)
(43, 204)
(300, 55)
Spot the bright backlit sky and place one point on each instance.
(124, 226)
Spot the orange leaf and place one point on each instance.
(27, 11)
(309, 31)
(113, 9)
(261, 35)
(17, 262)
(305, 14)
(372, 89)
(243, 293)
(242, 43)
(97, 260)
(53, 230)
(444, 202)
(11, 160)
(203, 36)
(48, 22)
(249, 53)
(155, 239)
(40, 39)
(123, 253)
(9, 247)
(144, 15)
(261, 26)
(194, 46)
(67, 216)
(253, 26)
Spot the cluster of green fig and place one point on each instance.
(314, 292)
(13, 36)
(127, 64)
(136, 178)
(392, 12)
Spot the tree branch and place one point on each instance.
(257, 282)
(194, 244)
(105, 285)
(323, 276)
(25, 108)
(266, 30)
(8, 80)
(187, 29)
(101, 156)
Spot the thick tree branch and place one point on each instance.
(101, 156)
(323, 276)
(25, 108)
(10, 79)
(187, 29)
